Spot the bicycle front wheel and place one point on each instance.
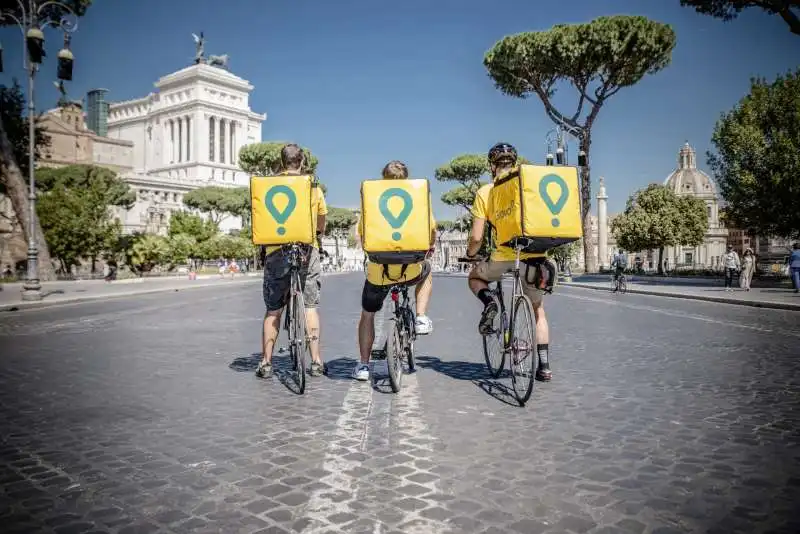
(623, 284)
(522, 350)
(494, 342)
(298, 342)
(395, 352)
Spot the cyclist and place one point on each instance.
(277, 278)
(619, 263)
(503, 159)
(377, 286)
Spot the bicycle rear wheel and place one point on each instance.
(298, 343)
(623, 284)
(493, 342)
(411, 334)
(522, 349)
(395, 352)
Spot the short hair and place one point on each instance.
(292, 156)
(395, 170)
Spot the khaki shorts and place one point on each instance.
(493, 271)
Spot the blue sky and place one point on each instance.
(363, 82)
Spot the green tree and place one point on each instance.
(195, 226)
(757, 158)
(181, 248)
(468, 171)
(14, 167)
(215, 201)
(75, 210)
(564, 254)
(338, 223)
(597, 58)
(49, 13)
(148, 251)
(226, 246)
(264, 159)
(655, 218)
(730, 9)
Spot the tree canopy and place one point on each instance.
(756, 161)
(564, 254)
(219, 202)
(264, 159)
(339, 221)
(185, 223)
(788, 10)
(656, 217)
(597, 59)
(74, 210)
(467, 170)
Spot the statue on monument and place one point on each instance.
(63, 92)
(200, 47)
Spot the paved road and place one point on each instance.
(143, 415)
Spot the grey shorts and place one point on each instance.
(493, 271)
(277, 279)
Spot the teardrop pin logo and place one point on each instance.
(399, 220)
(554, 207)
(280, 216)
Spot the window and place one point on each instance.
(709, 211)
(211, 136)
(222, 141)
(688, 258)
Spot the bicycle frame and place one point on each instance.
(402, 302)
(516, 289)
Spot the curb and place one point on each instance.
(721, 300)
(42, 304)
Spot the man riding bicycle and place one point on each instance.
(503, 159)
(277, 276)
(379, 280)
(619, 263)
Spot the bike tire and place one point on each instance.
(623, 285)
(395, 351)
(412, 335)
(495, 361)
(522, 376)
(298, 342)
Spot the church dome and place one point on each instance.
(687, 179)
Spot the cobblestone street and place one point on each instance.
(143, 414)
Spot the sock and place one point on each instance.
(485, 296)
(542, 350)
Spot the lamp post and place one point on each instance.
(28, 17)
(557, 137)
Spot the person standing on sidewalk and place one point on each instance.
(794, 267)
(732, 265)
(748, 269)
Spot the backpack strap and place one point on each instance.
(386, 276)
(543, 276)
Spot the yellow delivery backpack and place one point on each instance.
(539, 203)
(281, 209)
(396, 220)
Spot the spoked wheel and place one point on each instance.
(395, 352)
(298, 342)
(623, 284)
(614, 285)
(411, 335)
(522, 350)
(493, 343)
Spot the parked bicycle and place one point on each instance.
(513, 335)
(295, 321)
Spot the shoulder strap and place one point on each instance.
(386, 276)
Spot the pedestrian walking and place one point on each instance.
(731, 263)
(748, 269)
(794, 267)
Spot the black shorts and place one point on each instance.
(372, 296)
(277, 279)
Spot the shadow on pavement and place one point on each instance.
(340, 368)
(281, 367)
(474, 372)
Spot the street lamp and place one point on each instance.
(27, 17)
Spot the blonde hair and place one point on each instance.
(395, 170)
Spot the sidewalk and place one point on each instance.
(776, 298)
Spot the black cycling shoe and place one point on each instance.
(543, 373)
(487, 318)
(264, 370)
(316, 369)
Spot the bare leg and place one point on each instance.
(312, 325)
(476, 284)
(423, 293)
(366, 335)
(269, 334)
(542, 328)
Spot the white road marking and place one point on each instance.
(684, 315)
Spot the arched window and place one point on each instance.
(212, 130)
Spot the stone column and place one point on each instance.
(188, 155)
(602, 225)
(179, 124)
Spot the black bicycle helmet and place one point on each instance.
(503, 151)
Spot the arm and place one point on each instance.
(321, 224)
(475, 236)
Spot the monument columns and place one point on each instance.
(602, 225)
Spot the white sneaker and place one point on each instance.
(423, 326)
(361, 372)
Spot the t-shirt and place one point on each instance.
(375, 271)
(481, 210)
(318, 206)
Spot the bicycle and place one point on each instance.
(295, 320)
(401, 337)
(619, 283)
(506, 332)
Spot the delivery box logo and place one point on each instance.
(396, 221)
(280, 216)
(556, 206)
